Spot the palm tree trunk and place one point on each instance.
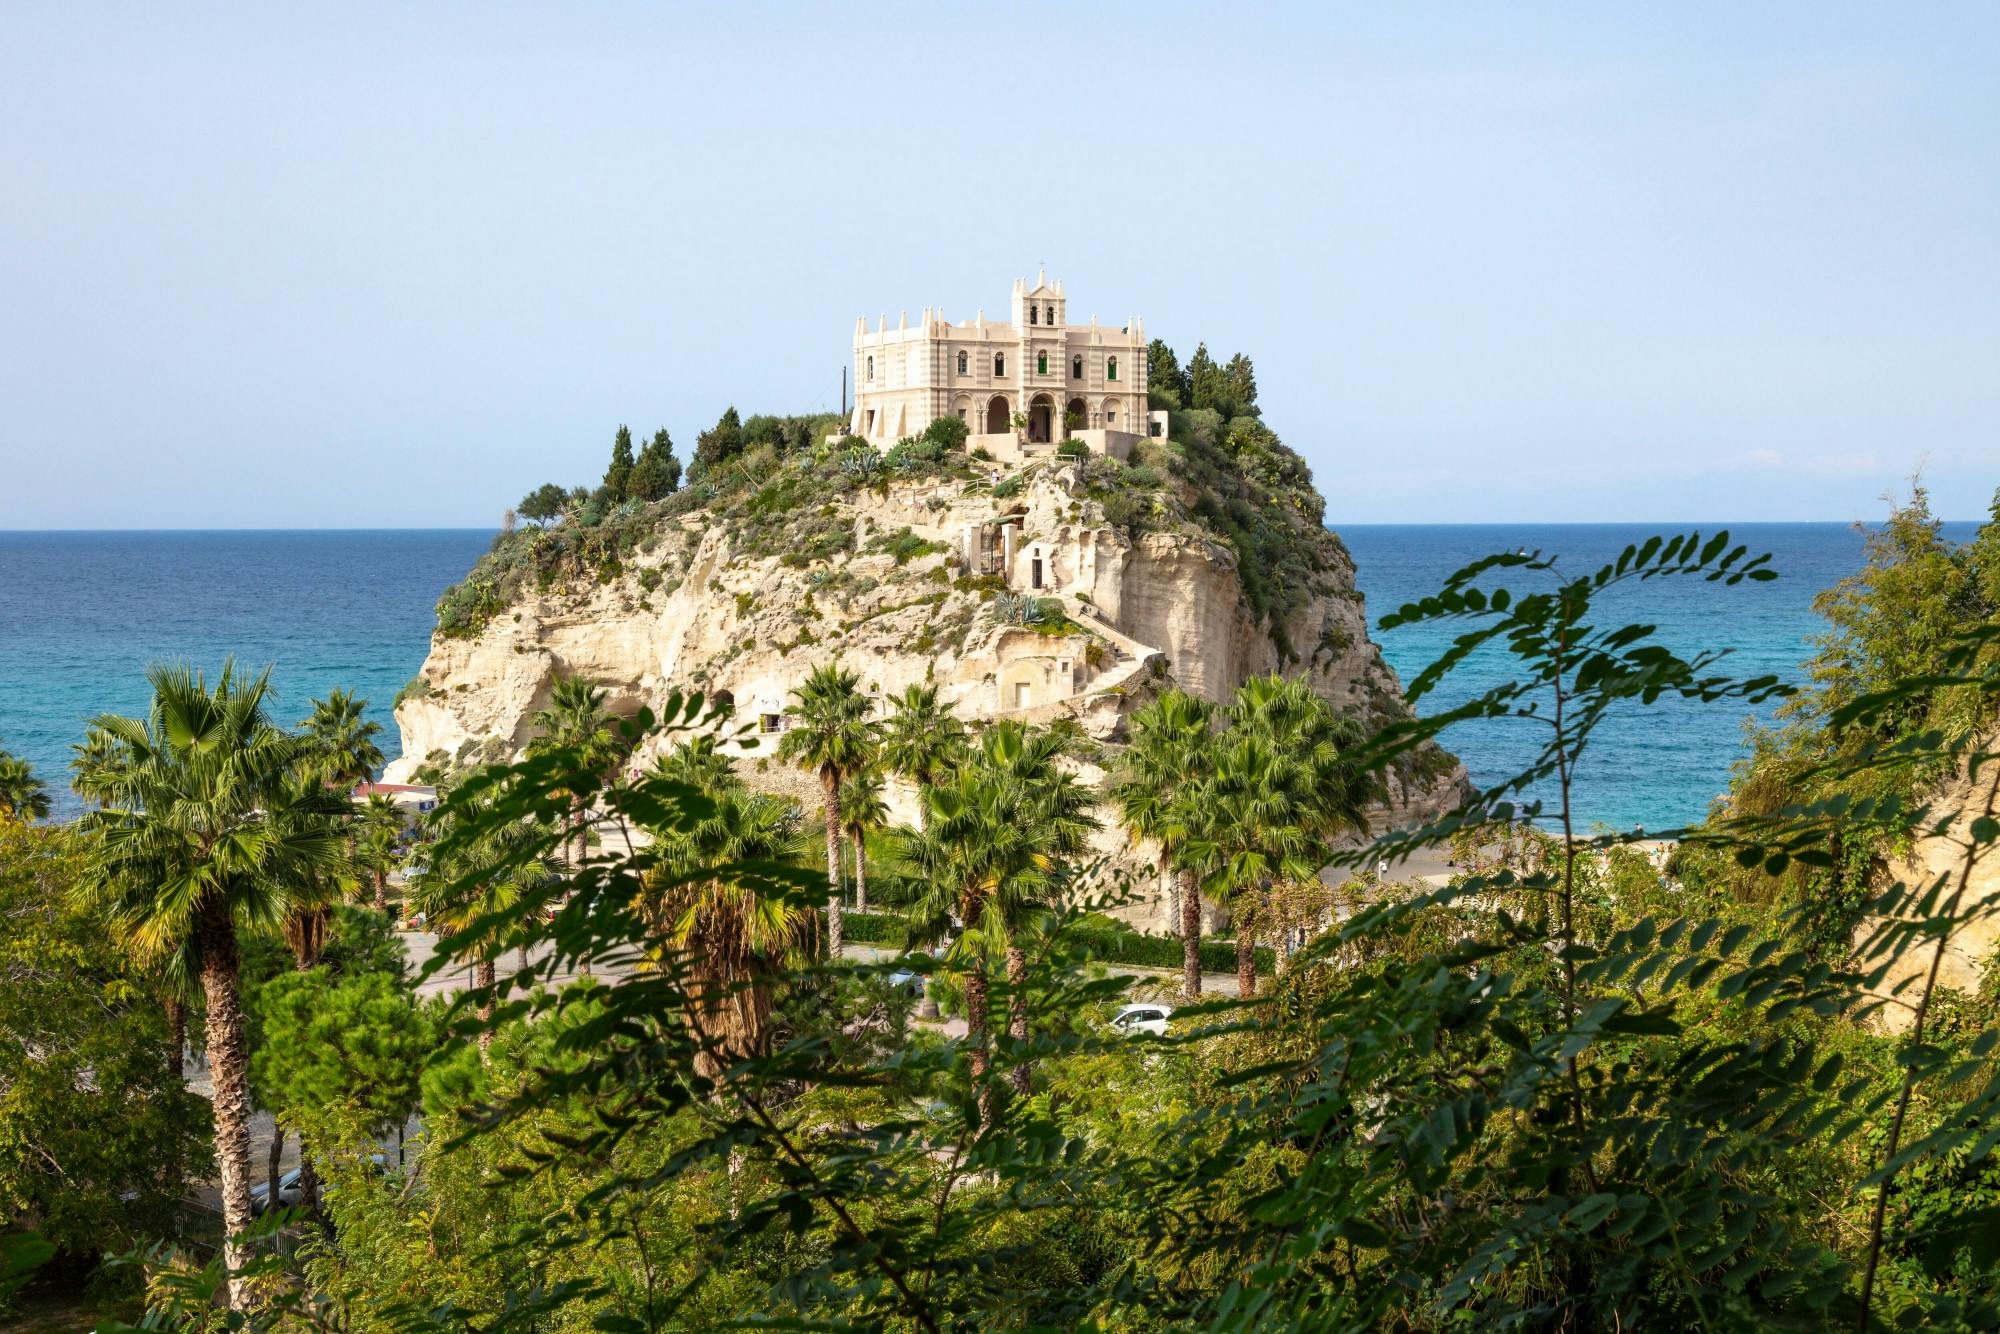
(1190, 936)
(975, 1026)
(177, 1038)
(860, 872)
(229, 1071)
(832, 782)
(381, 891)
(271, 1163)
(1246, 959)
(1017, 1008)
(482, 977)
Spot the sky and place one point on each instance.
(354, 266)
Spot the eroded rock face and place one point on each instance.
(1972, 878)
(707, 609)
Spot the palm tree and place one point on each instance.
(861, 813)
(481, 880)
(1252, 832)
(735, 938)
(206, 832)
(22, 795)
(1333, 797)
(1157, 793)
(577, 720)
(993, 843)
(1054, 804)
(375, 855)
(831, 736)
(922, 739)
(99, 761)
(698, 763)
(344, 738)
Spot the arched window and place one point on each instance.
(871, 368)
(1041, 363)
(999, 363)
(1031, 314)
(1076, 368)
(1111, 368)
(962, 362)
(1051, 315)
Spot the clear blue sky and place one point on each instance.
(383, 266)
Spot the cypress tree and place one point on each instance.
(657, 474)
(618, 477)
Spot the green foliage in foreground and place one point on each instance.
(1566, 1092)
(97, 1139)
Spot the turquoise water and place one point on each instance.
(82, 614)
(1658, 767)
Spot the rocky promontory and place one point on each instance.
(1067, 589)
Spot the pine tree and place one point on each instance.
(618, 477)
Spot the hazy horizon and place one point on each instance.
(385, 268)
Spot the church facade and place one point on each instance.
(1021, 387)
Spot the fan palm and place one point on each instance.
(1253, 832)
(577, 720)
(1057, 807)
(996, 832)
(830, 736)
(862, 812)
(699, 763)
(22, 795)
(99, 761)
(375, 856)
(734, 935)
(480, 882)
(1157, 793)
(205, 832)
(344, 738)
(922, 739)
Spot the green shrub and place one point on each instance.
(1009, 486)
(466, 607)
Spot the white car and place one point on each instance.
(1147, 1017)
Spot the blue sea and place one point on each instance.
(1654, 768)
(82, 614)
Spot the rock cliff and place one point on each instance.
(1014, 592)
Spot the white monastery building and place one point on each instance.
(1067, 381)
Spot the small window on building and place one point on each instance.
(1076, 368)
(1031, 314)
(771, 722)
(1041, 363)
(1020, 694)
(999, 363)
(1111, 369)
(961, 417)
(1051, 315)
(871, 368)
(963, 360)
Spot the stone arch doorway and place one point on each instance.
(1076, 416)
(996, 415)
(1111, 414)
(1041, 418)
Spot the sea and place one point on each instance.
(82, 614)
